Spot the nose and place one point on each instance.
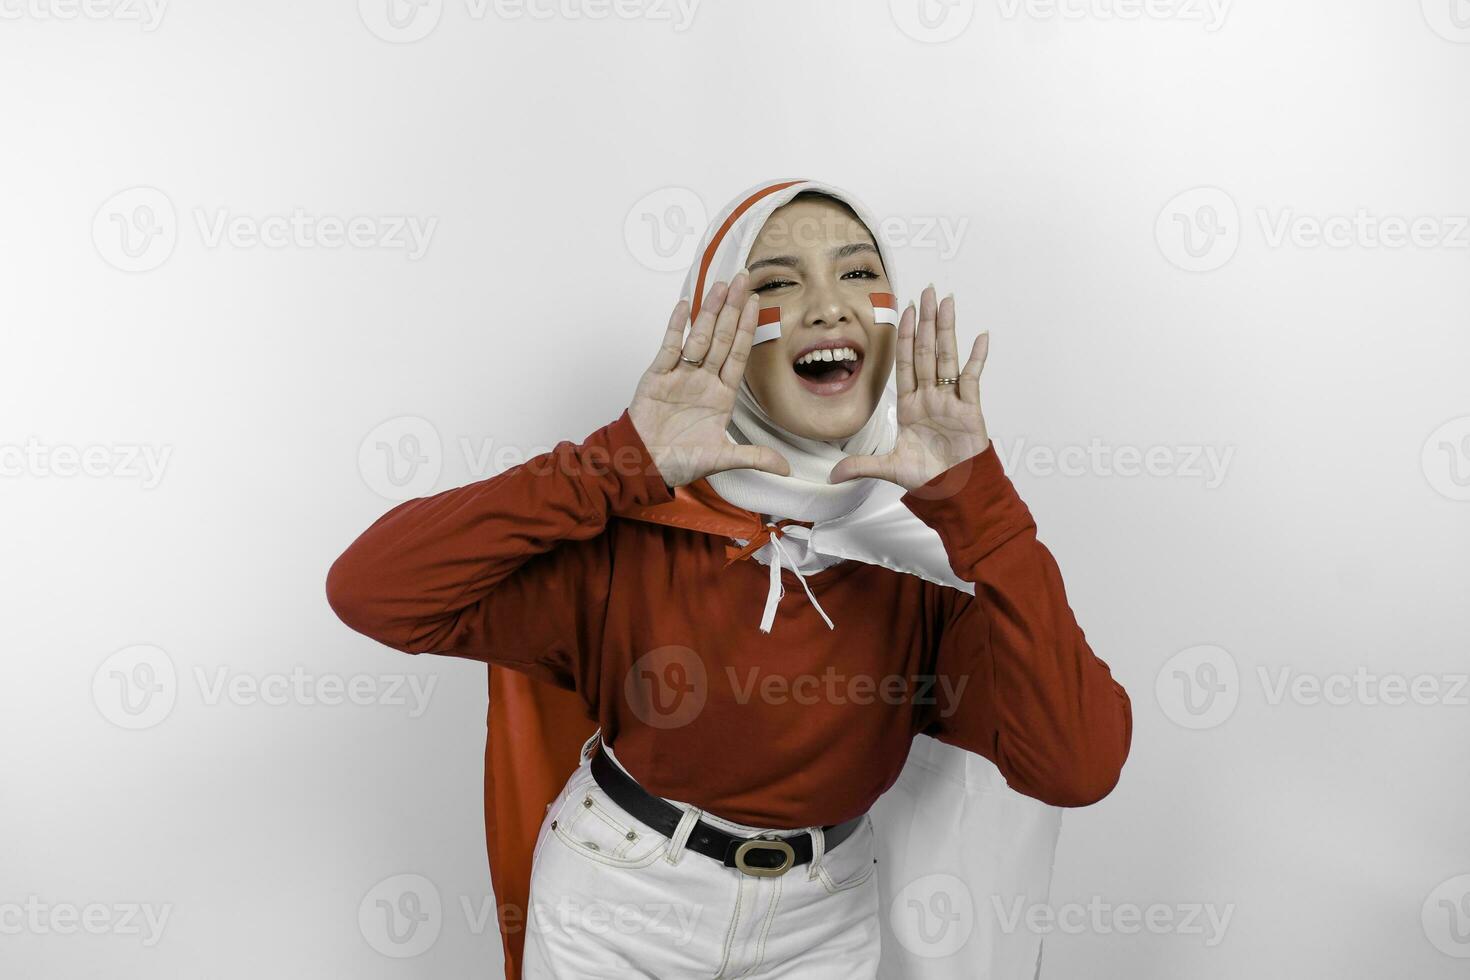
(827, 307)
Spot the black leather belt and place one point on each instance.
(766, 856)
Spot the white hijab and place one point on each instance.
(805, 495)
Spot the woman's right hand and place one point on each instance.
(681, 409)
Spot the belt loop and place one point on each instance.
(681, 835)
(819, 848)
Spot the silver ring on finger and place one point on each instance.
(690, 360)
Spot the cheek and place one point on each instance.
(882, 343)
(762, 370)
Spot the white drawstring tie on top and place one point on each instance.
(777, 590)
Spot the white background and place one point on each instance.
(1066, 149)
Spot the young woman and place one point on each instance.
(720, 827)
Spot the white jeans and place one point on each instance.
(612, 898)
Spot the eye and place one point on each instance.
(773, 284)
(864, 273)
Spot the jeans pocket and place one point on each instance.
(593, 826)
(852, 862)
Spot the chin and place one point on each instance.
(829, 419)
(826, 390)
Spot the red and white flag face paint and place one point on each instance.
(768, 323)
(885, 308)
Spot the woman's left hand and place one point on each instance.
(938, 425)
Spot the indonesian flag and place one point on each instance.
(768, 325)
(885, 308)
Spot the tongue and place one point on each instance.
(824, 371)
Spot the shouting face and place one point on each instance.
(816, 261)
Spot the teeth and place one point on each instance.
(828, 354)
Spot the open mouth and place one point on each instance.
(829, 368)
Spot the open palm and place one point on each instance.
(683, 401)
(939, 425)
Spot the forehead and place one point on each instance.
(808, 226)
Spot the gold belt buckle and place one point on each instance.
(765, 844)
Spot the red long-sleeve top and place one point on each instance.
(803, 726)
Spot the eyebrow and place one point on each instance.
(840, 252)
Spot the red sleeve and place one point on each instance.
(1037, 702)
(513, 570)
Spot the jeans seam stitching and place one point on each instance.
(730, 930)
(760, 949)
